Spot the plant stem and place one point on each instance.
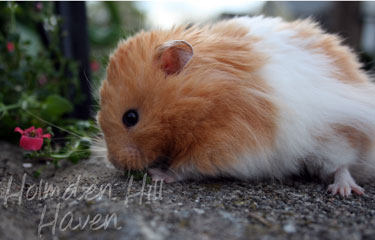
(9, 107)
(12, 6)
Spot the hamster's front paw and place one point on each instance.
(344, 184)
(160, 175)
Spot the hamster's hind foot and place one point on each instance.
(344, 184)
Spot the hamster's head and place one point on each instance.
(139, 105)
(160, 102)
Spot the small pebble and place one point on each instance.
(289, 228)
(27, 165)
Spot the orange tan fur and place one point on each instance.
(183, 115)
(358, 140)
(348, 68)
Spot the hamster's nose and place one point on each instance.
(128, 157)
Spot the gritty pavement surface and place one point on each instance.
(92, 200)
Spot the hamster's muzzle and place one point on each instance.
(127, 158)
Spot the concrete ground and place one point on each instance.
(92, 200)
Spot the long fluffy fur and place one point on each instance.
(259, 98)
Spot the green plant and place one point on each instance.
(35, 86)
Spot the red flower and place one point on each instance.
(94, 66)
(39, 6)
(10, 46)
(32, 139)
(42, 80)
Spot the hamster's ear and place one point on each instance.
(173, 56)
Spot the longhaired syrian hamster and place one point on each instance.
(248, 98)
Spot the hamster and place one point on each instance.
(249, 98)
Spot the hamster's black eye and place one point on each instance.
(130, 118)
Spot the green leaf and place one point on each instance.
(55, 106)
(37, 173)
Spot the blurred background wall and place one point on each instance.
(108, 22)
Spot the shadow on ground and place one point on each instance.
(94, 201)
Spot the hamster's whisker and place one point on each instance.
(92, 88)
(98, 149)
